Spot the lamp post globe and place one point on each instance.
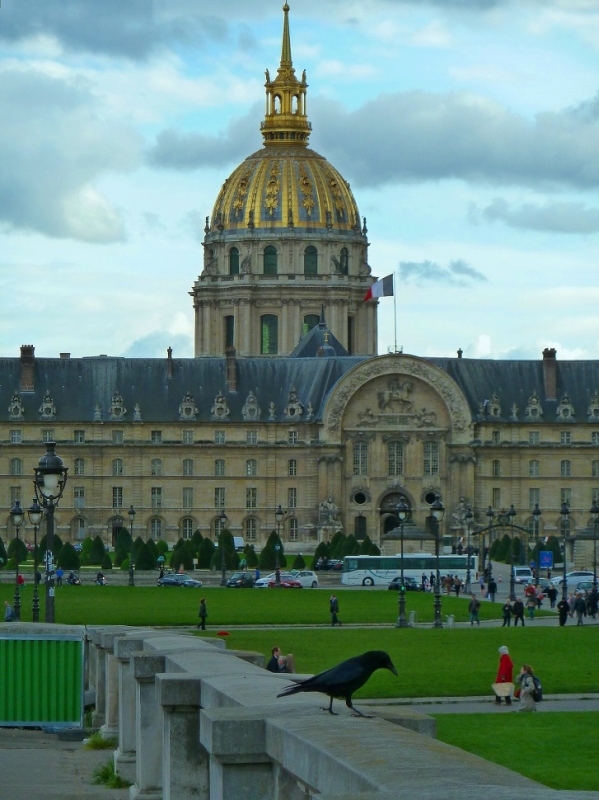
(437, 510)
(17, 515)
(35, 513)
(131, 514)
(402, 509)
(565, 515)
(221, 543)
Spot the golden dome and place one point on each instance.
(286, 185)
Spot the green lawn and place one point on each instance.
(556, 749)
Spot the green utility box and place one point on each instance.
(42, 680)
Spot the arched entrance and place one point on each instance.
(388, 511)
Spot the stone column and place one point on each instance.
(148, 727)
(110, 728)
(99, 715)
(125, 755)
(186, 770)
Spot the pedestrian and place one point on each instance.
(527, 689)
(457, 585)
(506, 612)
(579, 608)
(505, 674)
(423, 581)
(518, 609)
(448, 583)
(202, 614)
(531, 604)
(161, 573)
(492, 587)
(548, 574)
(540, 597)
(286, 663)
(563, 609)
(334, 608)
(482, 585)
(592, 603)
(431, 580)
(474, 608)
(9, 612)
(59, 574)
(552, 595)
(257, 574)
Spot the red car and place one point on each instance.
(286, 583)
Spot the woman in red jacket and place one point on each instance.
(505, 673)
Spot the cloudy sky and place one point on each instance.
(468, 129)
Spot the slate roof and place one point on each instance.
(77, 385)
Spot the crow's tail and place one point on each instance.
(293, 689)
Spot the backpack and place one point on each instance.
(537, 694)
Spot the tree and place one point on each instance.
(162, 547)
(153, 549)
(96, 554)
(337, 546)
(122, 546)
(268, 557)
(68, 558)
(125, 564)
(17, 549)
(106, 562)
(56, 545)
(135, 547)
(3, 555)
(251, 559)
(225, 541)
(144, 560)
(298, 562)
(351, 546)
(196, 541)
(205, 553)
(182, 557)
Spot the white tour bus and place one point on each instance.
(380, 570)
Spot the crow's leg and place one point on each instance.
(330, 708)
(355, 711)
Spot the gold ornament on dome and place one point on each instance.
(336, 192)
(242, 190)
(273, 186)
(306, 189)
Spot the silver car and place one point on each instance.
(307, 578)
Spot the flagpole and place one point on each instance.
(395, 311)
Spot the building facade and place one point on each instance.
(286, 403)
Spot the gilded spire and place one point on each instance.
(285, 122)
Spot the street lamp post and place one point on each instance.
(17, 515)
(49, 482)
(437, 513)
(403, 509)
(565, 513)
(511, 514)
(490, 514)
(35, 513)
(536, 513)
(223, 561)
(595, 515)
(279, 514)
(131, 514)
(468, 516)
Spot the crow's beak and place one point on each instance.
(393, 670)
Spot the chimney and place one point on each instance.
(231, 358)
(460, 353)
(27, 365)
(64, 355)
(550, 373)
(169, 363)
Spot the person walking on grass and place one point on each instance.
(492, 587)
(334, 609)
(473, 609)
(202, 614)
(579, 607)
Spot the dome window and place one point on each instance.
(270, 260)
(310, 321)
(269, 329)
(310, 260)
(343, 261)
(233, 261)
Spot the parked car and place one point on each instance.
(262, 583)
(179, 579)
(573, 578)
(285, 583)
(307, 578)
(411, 584)
(241, 580)
(543, 583)
(585, 586)
(329, 564)
(523, 575)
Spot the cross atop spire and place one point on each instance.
(285, 122)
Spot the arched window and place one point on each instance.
(250, 530)
(269, 326)
(293, 529)
(395, 458)
(565, 526)
(156, 466)
(79, 466)
(79, 528)
(496, 468)
(360, 458)
(534, 468)
(156, 528)
(595, 469)
(117, 466)
(310, 321)
(187, 528)
(220, 525)
(233, 261)
(16, 466)
(310, 260)
(251, 467)
(344, 261)
(270, 260)
(565, 468)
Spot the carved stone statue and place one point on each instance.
(328, 512)
(220, 409)
(251, 411)
(458, 515)
(188, 409)
(117, 408)
(137, 413)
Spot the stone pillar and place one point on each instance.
(235, 739)
(110, 728)
(148, 727)
(186, 771)
(99, 715)
(125, 755)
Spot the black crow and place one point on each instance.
(344, 679)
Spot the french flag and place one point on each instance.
(382, 288)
